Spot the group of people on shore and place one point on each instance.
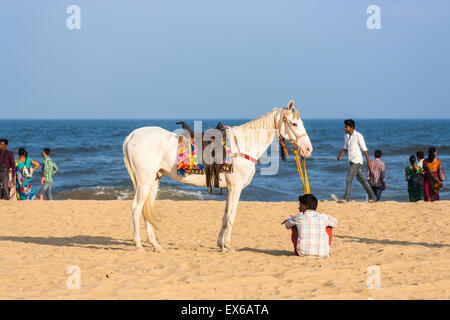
(15, 175)
(425, 178)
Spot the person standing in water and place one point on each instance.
(48, 171)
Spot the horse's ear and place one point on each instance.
(291, 104)
(292, 109)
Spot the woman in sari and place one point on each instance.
(432, 184)
(24, 190)
(415, 180)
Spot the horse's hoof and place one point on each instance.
(226, 249)
(140, 249)
(230, 248)
(159, 250)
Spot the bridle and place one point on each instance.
(293, 136)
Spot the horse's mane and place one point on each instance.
(256, 131)
(266, 121)
(259, 131)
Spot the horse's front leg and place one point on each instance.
(224, 239)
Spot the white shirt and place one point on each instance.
(354, 144)
(420, 163)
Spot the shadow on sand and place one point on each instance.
(393, 242)
(352, 239)
(89, 242)
(269, 252)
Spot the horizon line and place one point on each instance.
(208, 118)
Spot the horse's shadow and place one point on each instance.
(81, 241)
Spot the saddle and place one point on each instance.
(212, 169)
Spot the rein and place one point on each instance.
(305, 181)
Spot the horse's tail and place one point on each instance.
(127, 161)
(150, 214)
(148, 211)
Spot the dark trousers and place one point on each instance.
(377, 191)
(4, 185)
(355, 169)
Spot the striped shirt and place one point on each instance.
(49, 168)
(312, 236)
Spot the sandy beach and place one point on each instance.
(408, 242)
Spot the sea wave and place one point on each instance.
(110, 193)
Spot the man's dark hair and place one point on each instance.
(350, 123)
(420, 155)
(309, 200)
(378, 153)
(47, 151)
(4, 140)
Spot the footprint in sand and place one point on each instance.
(280, 275)
(330, 283)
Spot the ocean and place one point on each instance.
(90, 159)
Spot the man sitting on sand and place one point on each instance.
(311, 230)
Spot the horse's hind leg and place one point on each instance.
(138, 203)
(150, 233)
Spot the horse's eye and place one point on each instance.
(294, 124)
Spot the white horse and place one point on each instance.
(151, 152)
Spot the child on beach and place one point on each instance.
(311, 230)
(49, 169)
(376, 175)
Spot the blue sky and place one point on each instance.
(224, 59)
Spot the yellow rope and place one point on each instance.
(304, 178)
(299, 169)
(308, 191)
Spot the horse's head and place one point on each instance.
(291, 128)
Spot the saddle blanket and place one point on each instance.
(187, 156)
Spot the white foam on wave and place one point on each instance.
(110, 193)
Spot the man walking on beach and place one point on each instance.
(7, 163)
(354, 143)
(49, 168)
